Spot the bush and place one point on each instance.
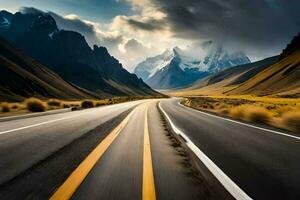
(237, 112)
(224, 111)
(35, 105)
(87, 104)
(66, 106)
(15, 106)
(258, 114)
(54, 102)
(5, 107)
(99, 104)
(292, 120)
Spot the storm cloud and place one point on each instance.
(260, 28)
(257, 25)
(149, 25)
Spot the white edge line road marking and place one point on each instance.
(230, 186)
(39, 124)
(51, 121)
(245, 124)
(48, 122)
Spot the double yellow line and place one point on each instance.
(68, 188)
(148, 178)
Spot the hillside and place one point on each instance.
(68, 54)
(227, 79)
(23, 77)
(281, 78)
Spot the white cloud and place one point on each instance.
(131, 39)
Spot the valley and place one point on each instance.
(149, 100)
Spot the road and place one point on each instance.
(131, 151)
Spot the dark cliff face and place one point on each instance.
(5, 20)
(23, 77)
(68, 54)
(293, 46)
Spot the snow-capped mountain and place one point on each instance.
(150, 66)
(191, 63)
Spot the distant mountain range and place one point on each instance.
(278, 75)
(67, 54)
(181, 67)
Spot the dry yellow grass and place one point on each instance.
(35, 105)
(278, 112)
(5, 107)
(54, 102)
(224, 111)
(265, 99)
(251, 113)
(87, 104)
(258, 114)
(291, 120)
(237, 112)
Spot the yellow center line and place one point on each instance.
(67, 189)
(148, 178)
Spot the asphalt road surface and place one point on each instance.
(262, 163)
(131, 151)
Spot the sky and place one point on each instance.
(133, 30)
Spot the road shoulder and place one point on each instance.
(178, 173)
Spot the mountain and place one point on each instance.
(151, 65)
(278, 75)
(5, 20)
(281, 78)
(182, 67)
(22, 77)
(68, 54)
(173, 75)
(220, 82)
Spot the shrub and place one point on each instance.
(87, 104)
(224, 111)
(35, 105)
(292, 120)
(5, 107)
(237, 112)
(75, 108)
(66, 106)
(258, 114)
(99, 104)
(15, 106)
(54, 102)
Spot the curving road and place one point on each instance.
(263, 163)
(131, 151)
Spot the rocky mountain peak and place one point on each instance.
(5, 19)
(44, 23)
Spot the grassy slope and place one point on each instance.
(226, 80)
(281, 77)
